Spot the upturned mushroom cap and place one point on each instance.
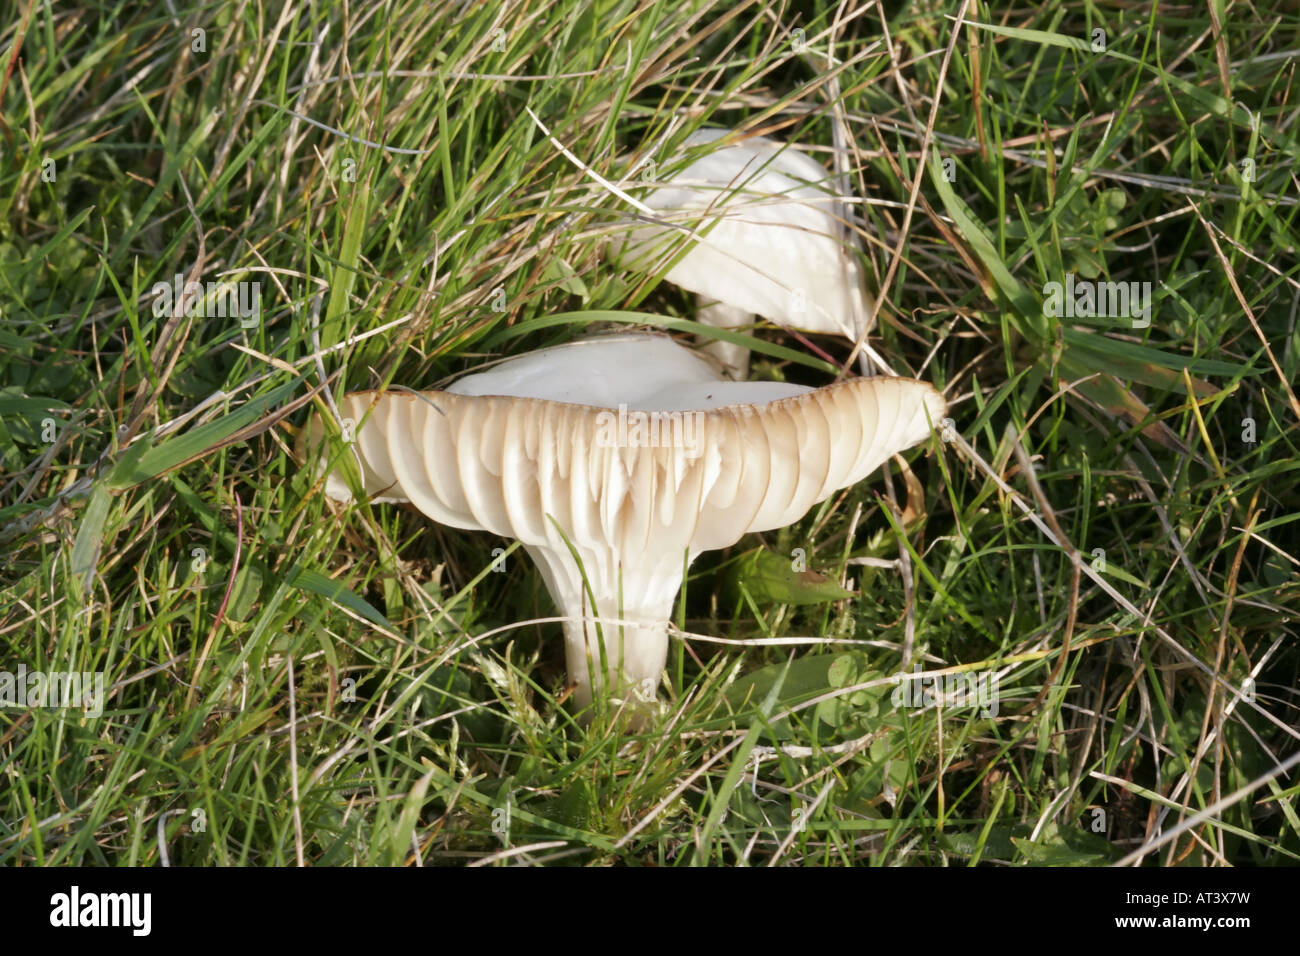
(772, 239)
(635, 452)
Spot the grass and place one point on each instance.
(1104, 539)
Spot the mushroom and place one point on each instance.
(768, 238)
(616, 462)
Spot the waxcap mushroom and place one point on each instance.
(526, 450)
(770, 238)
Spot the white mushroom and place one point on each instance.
(632, 454)
(770, 239)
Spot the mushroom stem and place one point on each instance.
(630, 632)
(735, 358)
(635, 656)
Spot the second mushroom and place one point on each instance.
(767, 236)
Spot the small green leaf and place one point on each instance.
(771, 578)
(246, 592)
(1091, 348)
(843, 671)
(337, 592)
(1066, 846)
(13, 402)
(803, 678)
(143, 460)
(564, 275)
(90, 537)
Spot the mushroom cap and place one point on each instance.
(772, 237)
(645, 372)
(689, 464)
